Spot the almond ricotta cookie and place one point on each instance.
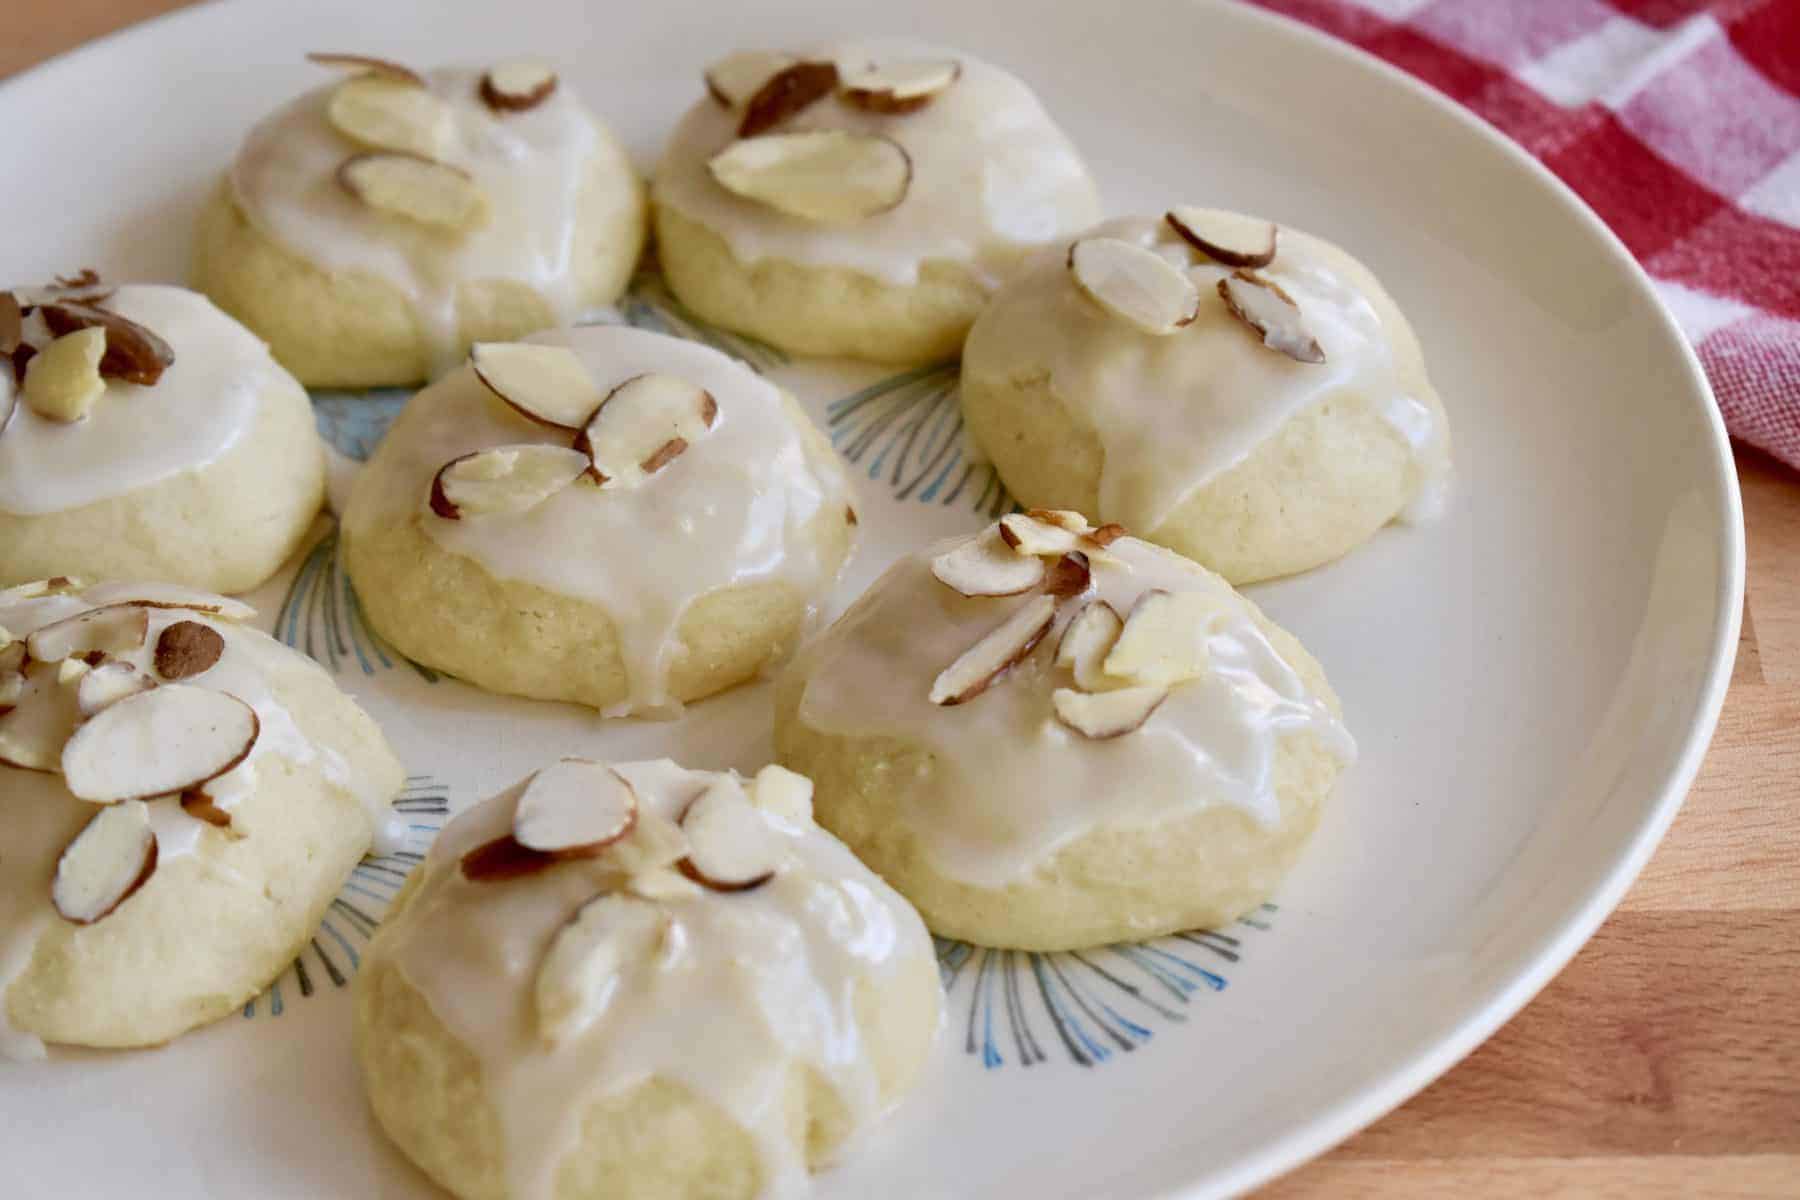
(603, 515)
(145, 434)
(640, 981)
(1049, 736)
(375, 227)
(862, 198)
(1246, 395)
(182, 795)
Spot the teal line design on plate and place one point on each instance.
(322, 618)
(1093, 1003)
(650, 305)
(332, 955)
(909, 427)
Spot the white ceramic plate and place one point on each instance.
(1533, 680)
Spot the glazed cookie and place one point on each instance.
(374, 228)
(640, 980)
(860, 199)
(1049, 736)
(1249, 397)
(183, 797)
(145, 434)
(615, 517)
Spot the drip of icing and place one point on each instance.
(137, 436)
(731, 510)
(532, 166)
(1173, 412)
(1211, 742)
(992, 177)
(750, 983)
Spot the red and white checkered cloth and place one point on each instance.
(1677, 120)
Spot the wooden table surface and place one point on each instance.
(1665, 1061)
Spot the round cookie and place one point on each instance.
(1084, 740)
(149, 891)
(708, 1005)
(981, 176)
(1201, 435)
(351, 292)
(632, 596)
(207, 471)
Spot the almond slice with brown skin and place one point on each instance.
(390, 114)
(114, 629)
(734, 79)
(548, 385)
(186, 649)
(1105, 535)
(1104, 715)
(1265, 307)
(504, 479)
(12, 323)
(202, 807)
(899, 87)
(1138, 286)
(789, 91)
(1164, 638)
(417, 189)
(580, 972)
(998, 651)
(517, 85)
(1068, 576)
(985, 565)
(1085, 643)
(642, 426)
(109, 683)
(43, 718)
(827, 176)
(133, 353)
(574, 808)
(1228, 238)
(730, 847)
(169, 595)
(168, 739)
(83, 288)
(503, 859)
(63, 382)
(113, 856)
(1028, 535)
(363, 64)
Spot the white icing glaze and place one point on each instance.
(41, 817)
(1172, 412)
(531, 165)
(992, 177)
(1014, 785)
(137, 436)
(731, 510)
(746, 984)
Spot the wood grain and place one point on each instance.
(1665, 1061)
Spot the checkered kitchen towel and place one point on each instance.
(1677, 120)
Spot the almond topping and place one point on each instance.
(737, 77)
(1106, 535)
(503, 859)
(1028, 535)
(546, 384)
(730, 847)
(1228, 238)
(1136, 285)
(63, 382)
(517, 85)
(1103, 715)
(114, 629)
(391, 114)
(1164, 638)
(504, 479)
(113, 856)
(109, 683)
(362, 64)
(202, 807)
(788, 91)
(643, 425)
(986, 565)
(1086, 642)
(579, 974)
(784, 793)
(976, 669)
(12, 323)
(574, 808)
(900, 87)
(9, 394)
(168, 739)
(416, 189)
(186, 649)
(1068, 576)
(45, 714)
(829, 176)
(169, 595)
(133, 354)
(81, 288)
(1264, 306)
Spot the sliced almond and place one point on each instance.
(1103, 715)
(787, 794)
(362, 64)
(1229, 238)
(1028, 535)
(71, 671)
(186, 649)
(9, 393)
(1265, 307)
(785, 93)
(504, 479)
(1085, 643)
(55, 586)
(580, 973)
(737, 77)
(40, 723)
(829, 176)
(574, 808)
(1068, 576)
(517, 85)
(503, 859)
(987, 565)
(546, 384)
(12, 323)
(642, 426)
(168, 739)
(114, 629)
(899, 87)
(109, 683)
(1062, 518)
(391, 114)
(63, 382)
(202, 807)
(113, 856)
(169, 595)
(663, 883)
(730, 847)
(976, 669)
(1105, 535)
(1136, 285)
(84, 287)
(133, 354)
(416, 189)
(1164, 638)
(655, 843)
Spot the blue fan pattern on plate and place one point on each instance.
(1092, 1003)
(322, 618)
(352, 422)
(909, 427)
(333, 954)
